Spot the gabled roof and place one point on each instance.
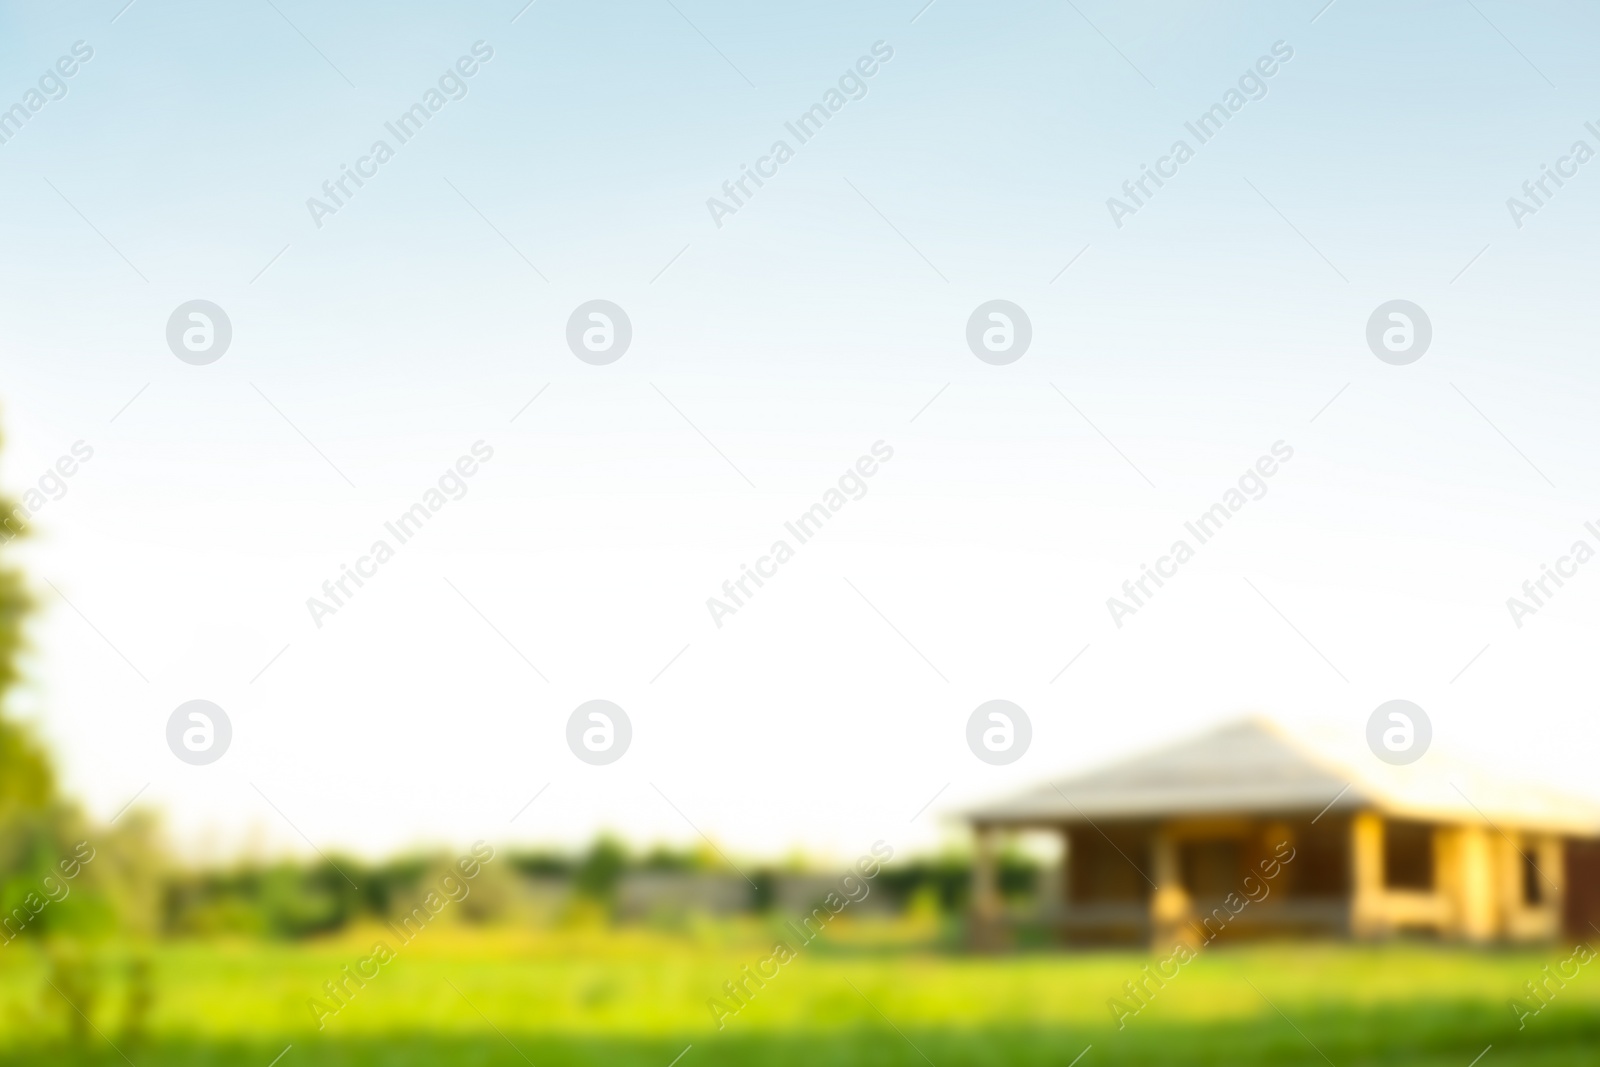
(1255, 766)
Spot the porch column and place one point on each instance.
(1366, 875)
(986, 908)
(1169, 903)
(1062, 905)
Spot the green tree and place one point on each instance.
(64, 882)
(601, 869)
(27, 780)
(28, 799)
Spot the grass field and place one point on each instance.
(864, 996)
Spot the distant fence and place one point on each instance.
(642, 894)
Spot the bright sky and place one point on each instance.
(828, 313)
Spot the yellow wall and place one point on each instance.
(1478, 885)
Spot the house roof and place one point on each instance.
(1256, 766)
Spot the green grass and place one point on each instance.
(858, 996)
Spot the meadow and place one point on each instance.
(863, 995)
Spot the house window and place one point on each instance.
(1100, 872)
(1210, 869)
(1321, 864)
(1408, 856)
(1532, 882)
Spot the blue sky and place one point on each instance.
(370, 352)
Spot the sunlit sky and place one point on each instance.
(827, 314)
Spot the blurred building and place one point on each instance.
(650, 894)
(1251, 831)
(657, 894)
